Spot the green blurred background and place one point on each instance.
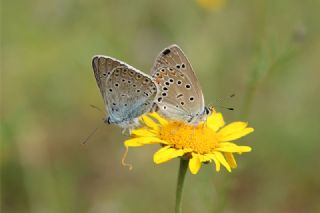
(266, 52)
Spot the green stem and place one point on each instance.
(181, 175)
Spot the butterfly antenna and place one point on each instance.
(97, 108)
(224, 107)
(90, 135)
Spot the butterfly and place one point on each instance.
(127, 92)
(180, 95)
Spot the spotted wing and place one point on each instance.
(129, 94)
(102, 68)
(173, 58)
(177, 98)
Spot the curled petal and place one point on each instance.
(215, 121)
(166, 153)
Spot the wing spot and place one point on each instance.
(110, 90)
(123, 80)
(146, 94)
(164, 107)
(179, 82)
(104, 74)
(116, 84)
(188, 86)
(166, 52)
(138, 90)
(171, 80)
(125, 104)
(179, 95)
(191, 98)
(129, 82)
(178, 66)
(114, 104)
(183, 65)
(165, 88)
(159, 99)
(167, 83)
(164, 94)
(134, 85)
(182, 103)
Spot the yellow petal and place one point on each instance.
(232, 148)
(143, 141)
(149, 122)
(230, 159)
(166, 153)
(215, 121)
(143, 132)
(214, 158)
(234, 131)
(222, 160)
(161, 120)
(194, 164)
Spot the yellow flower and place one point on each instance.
(212, 4)
(202, 143)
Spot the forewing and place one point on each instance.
(173, 57)
(102, 68)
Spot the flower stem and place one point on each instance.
(181, 175)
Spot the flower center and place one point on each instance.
(200, 138)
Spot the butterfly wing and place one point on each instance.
(102, 68)
(177, 98)
(129, 94)
(185, 98)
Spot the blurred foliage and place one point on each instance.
(266, 52)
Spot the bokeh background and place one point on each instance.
(266, 52)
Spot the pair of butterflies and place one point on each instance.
(172, 89)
